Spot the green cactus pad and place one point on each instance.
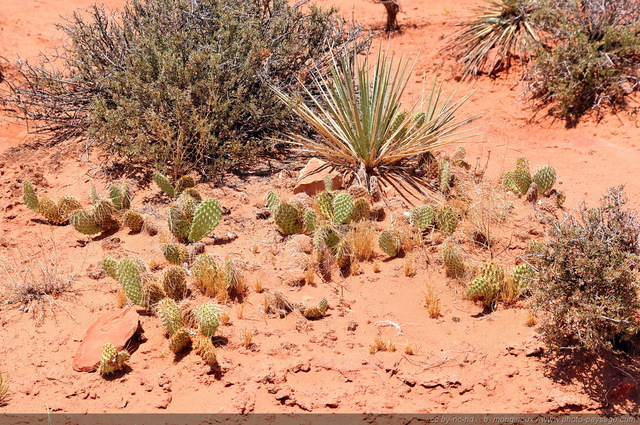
(324, 202)
(129, 277)
(422, 217)
(343, 252)
(325, 236)
(207, 316)
(273, 201)
(522, 276)
(29, 196)
(453, 262)
(49, 210)
(342, 207)
(545, 177)
(313, 313)
(361, 210)
(205, 220)
(116, 195)
(193, 192)
(183, 183)
(493, 273)
(483, 290)
(169, 314)
(110, 267)
(323, 305)
(328, 183)
(94, 195)
(389, 242)
(310, 220)
(178, 223)
(188, 205)
(174, 282)
(105, 215)
(445, 176)
(204, 348)
(205, 268)
(84, 222)
(232, 276)
(164, 184)
(175, 253)
(112, 360)
(67, 205)
(133, 220)
(180, 340)
(288, 218)
(447, 219)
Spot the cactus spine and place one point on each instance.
(151, 294)
(361, 210)
(206, 218)
(183, 183)
(342, 207)
(175, 253)
(169, 314)
(447, 219)
(110, 267)
(133, 220)
(205, 270)
(180, 340)
(50, 211)
(67, 205)
(445, 176)
(288, 218)
(84, 222)
(203, 347)
(273, 201)
(178, 223)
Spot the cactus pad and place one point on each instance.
(207, 316)
(205, 270)
(453, 262)
(445, 176)
(174, 282)
(133, 220)
(169, 314)
(29, 196)
(361, 210)
(175, 253)
(67, 205)
(151, 294)
(84, 222)
(310, 220)
(206, 218)
(179, 340)
(358, 191)
(164, 184)
(483, 290)
(545, 177)
(324, 203)
(389, 242)
(288, 218)
(447, 219)
(129, 276)
(493, 273)
(273, 201)
(50, 211)
(342, 207)
(522, 276)
(112, 360)
(183, 183)
(203, 347)
(422, 217)
(110, 267)
(104, 213)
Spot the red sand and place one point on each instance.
(464, 361)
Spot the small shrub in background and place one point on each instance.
(587, 293)
(179, 82)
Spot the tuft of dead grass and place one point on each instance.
(432, 301)
(379, 344)
(4, 389)
(363, 238)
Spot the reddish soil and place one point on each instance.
(464, 361)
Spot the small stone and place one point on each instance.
(164, 401)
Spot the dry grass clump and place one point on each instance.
(4, 389)
(35, 280)
(432, 301)
(363, 238)
(379, 344)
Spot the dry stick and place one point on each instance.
(389, 323)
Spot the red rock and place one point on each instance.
(116, 327)
(311, 180)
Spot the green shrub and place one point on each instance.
(591, 58)
(183, 83)
(587, 291)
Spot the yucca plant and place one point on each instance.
(358, 114)
(499, 31)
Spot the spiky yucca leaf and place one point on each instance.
(358, 117)
(500, 30)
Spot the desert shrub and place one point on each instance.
(179, 82)
(592, 57)
(587, 292)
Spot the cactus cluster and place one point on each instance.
(317, 311)
(190, 219)
(57, 213)
(389, 242)
(446, 218)
(488, 285)
(422, 217)
(453, 262)
(520, 179)
(112, 360)
(521, 276)
(183, 184)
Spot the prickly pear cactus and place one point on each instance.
(453, 262)
(169, 314)
(324, 203)
(129, 276)
(151, 294)
(493, 273)
(207, 316)
(310, 220)
(342, 207)
(422, 217)
(483, 290)
(116, 195)
(204, 348)
(29, 196)
(179, 340)
(232, 276)
(110, 267)
(328, 183)
(183, 183)
(175, 253)
(192, 192)
(323, 305)
(94, 195)
(317, 311)
(325, 236)
(522, 276)
(67, 205)
(273, 201)
(343, 252)
(174, 282)
(205, 269)
(164, 184)
(178, 223)
(389, 242)
(447, 219)
(288, 218)
(361, 210)
(49, 210)
(545, 177)
(133, 220)
(112, 360)
(445, 176)
(561, 196)
(458, 156)
(105, 215)
(206, 218)
(84, 222)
